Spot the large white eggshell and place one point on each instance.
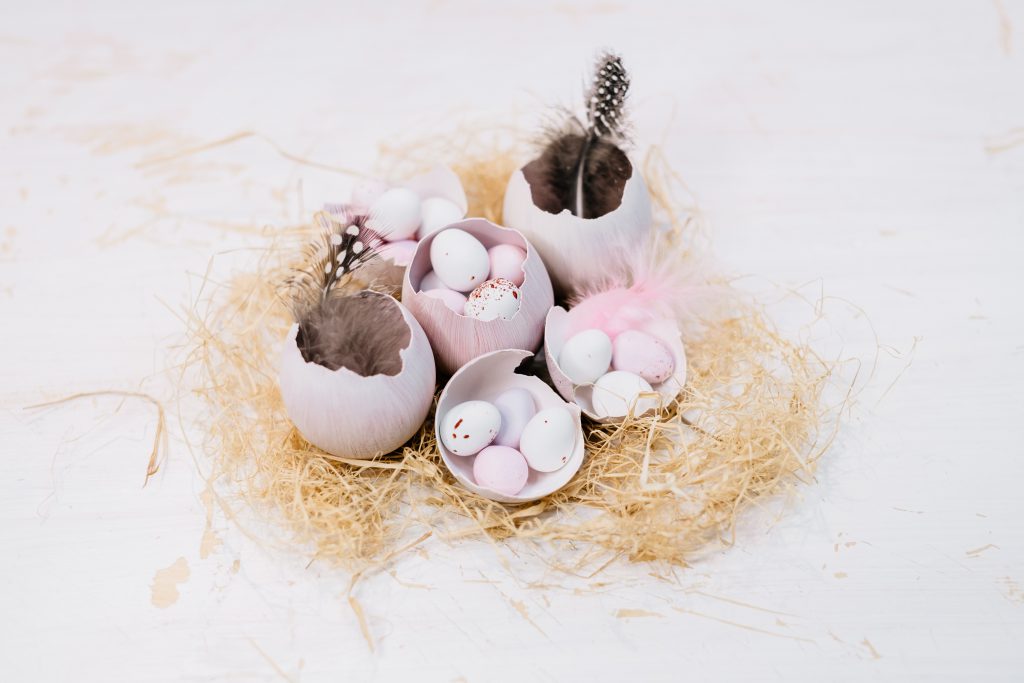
(351, 416)
(580, 252)
(485, 378)
(556, 332)
(586, 356)
(459, 259)
(547, 440)
(469, 427)
(516, 407)
(620, 393)
(437, 213)
(395, 215)
(457, 339)
(497, 298)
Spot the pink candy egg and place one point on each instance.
(501, 469)
(507, 262)
(644, 355)
(399, 252)
(452, 299)
(517, 407)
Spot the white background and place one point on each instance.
(863, 151)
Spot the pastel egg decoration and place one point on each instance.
(497, 298)
(363, 409)
(456, 301)
(494, 472)
(645, 344)
(507, 262)
(546, 441)
(400, 211)
(469, 427)
(459, 260)
(458, 338)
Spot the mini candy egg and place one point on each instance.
(642, 354)
(586, 356)
(469, 427)
(365, 193)
(452, 299)
(548, 439)
(497, 298)
(395, 215)
(459, 259)
(437, 213)
(501, 469)
(398, 252)
(431, 281)
(516, 407)
(507, 262)
(618, 391)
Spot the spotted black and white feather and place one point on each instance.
(582, 167)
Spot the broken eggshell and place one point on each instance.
(354, 416)
(457, 338)
(578, 252)
(485, 378)
(559, 327)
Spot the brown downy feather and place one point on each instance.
(582, 168)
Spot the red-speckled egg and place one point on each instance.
(469, 427)
(497, 298)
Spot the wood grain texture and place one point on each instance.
(866, 155)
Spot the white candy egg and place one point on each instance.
(497, 298)
(437, 213)
(395, 215)
(586, 356)
(459, 260)
(469, 427)
(548, 439)
(644, 355)
(431, 281)
(517, 408)
(617, 392)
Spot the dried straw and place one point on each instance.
(752, 420)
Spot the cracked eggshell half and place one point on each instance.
(354, 416)
(457, 338)
(579, 252)
(485, 378)
(558, 329)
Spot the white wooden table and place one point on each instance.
(867, 151)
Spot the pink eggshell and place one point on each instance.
(398, 252)
(507, 262)
(501, 469)
(642, 354)
(452, 299)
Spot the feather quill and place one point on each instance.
(583, 168)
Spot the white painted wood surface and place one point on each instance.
(870, 151)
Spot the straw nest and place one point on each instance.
(752, 420)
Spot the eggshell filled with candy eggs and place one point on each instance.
(456, 337)
(656, 351)
(486, 379)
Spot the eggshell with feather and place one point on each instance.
(578, 252)
(561, 325)
(485, 378)
(353, 416)
(456, 338)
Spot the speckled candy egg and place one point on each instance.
(517, 407)
(459, 260)
(469, 427)
(507, 262)
(437, 213)
(395, 214)
(548, 439)
(497, 298)
(501, 469)
(642, 354)
(618, 391)
(586, 356)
